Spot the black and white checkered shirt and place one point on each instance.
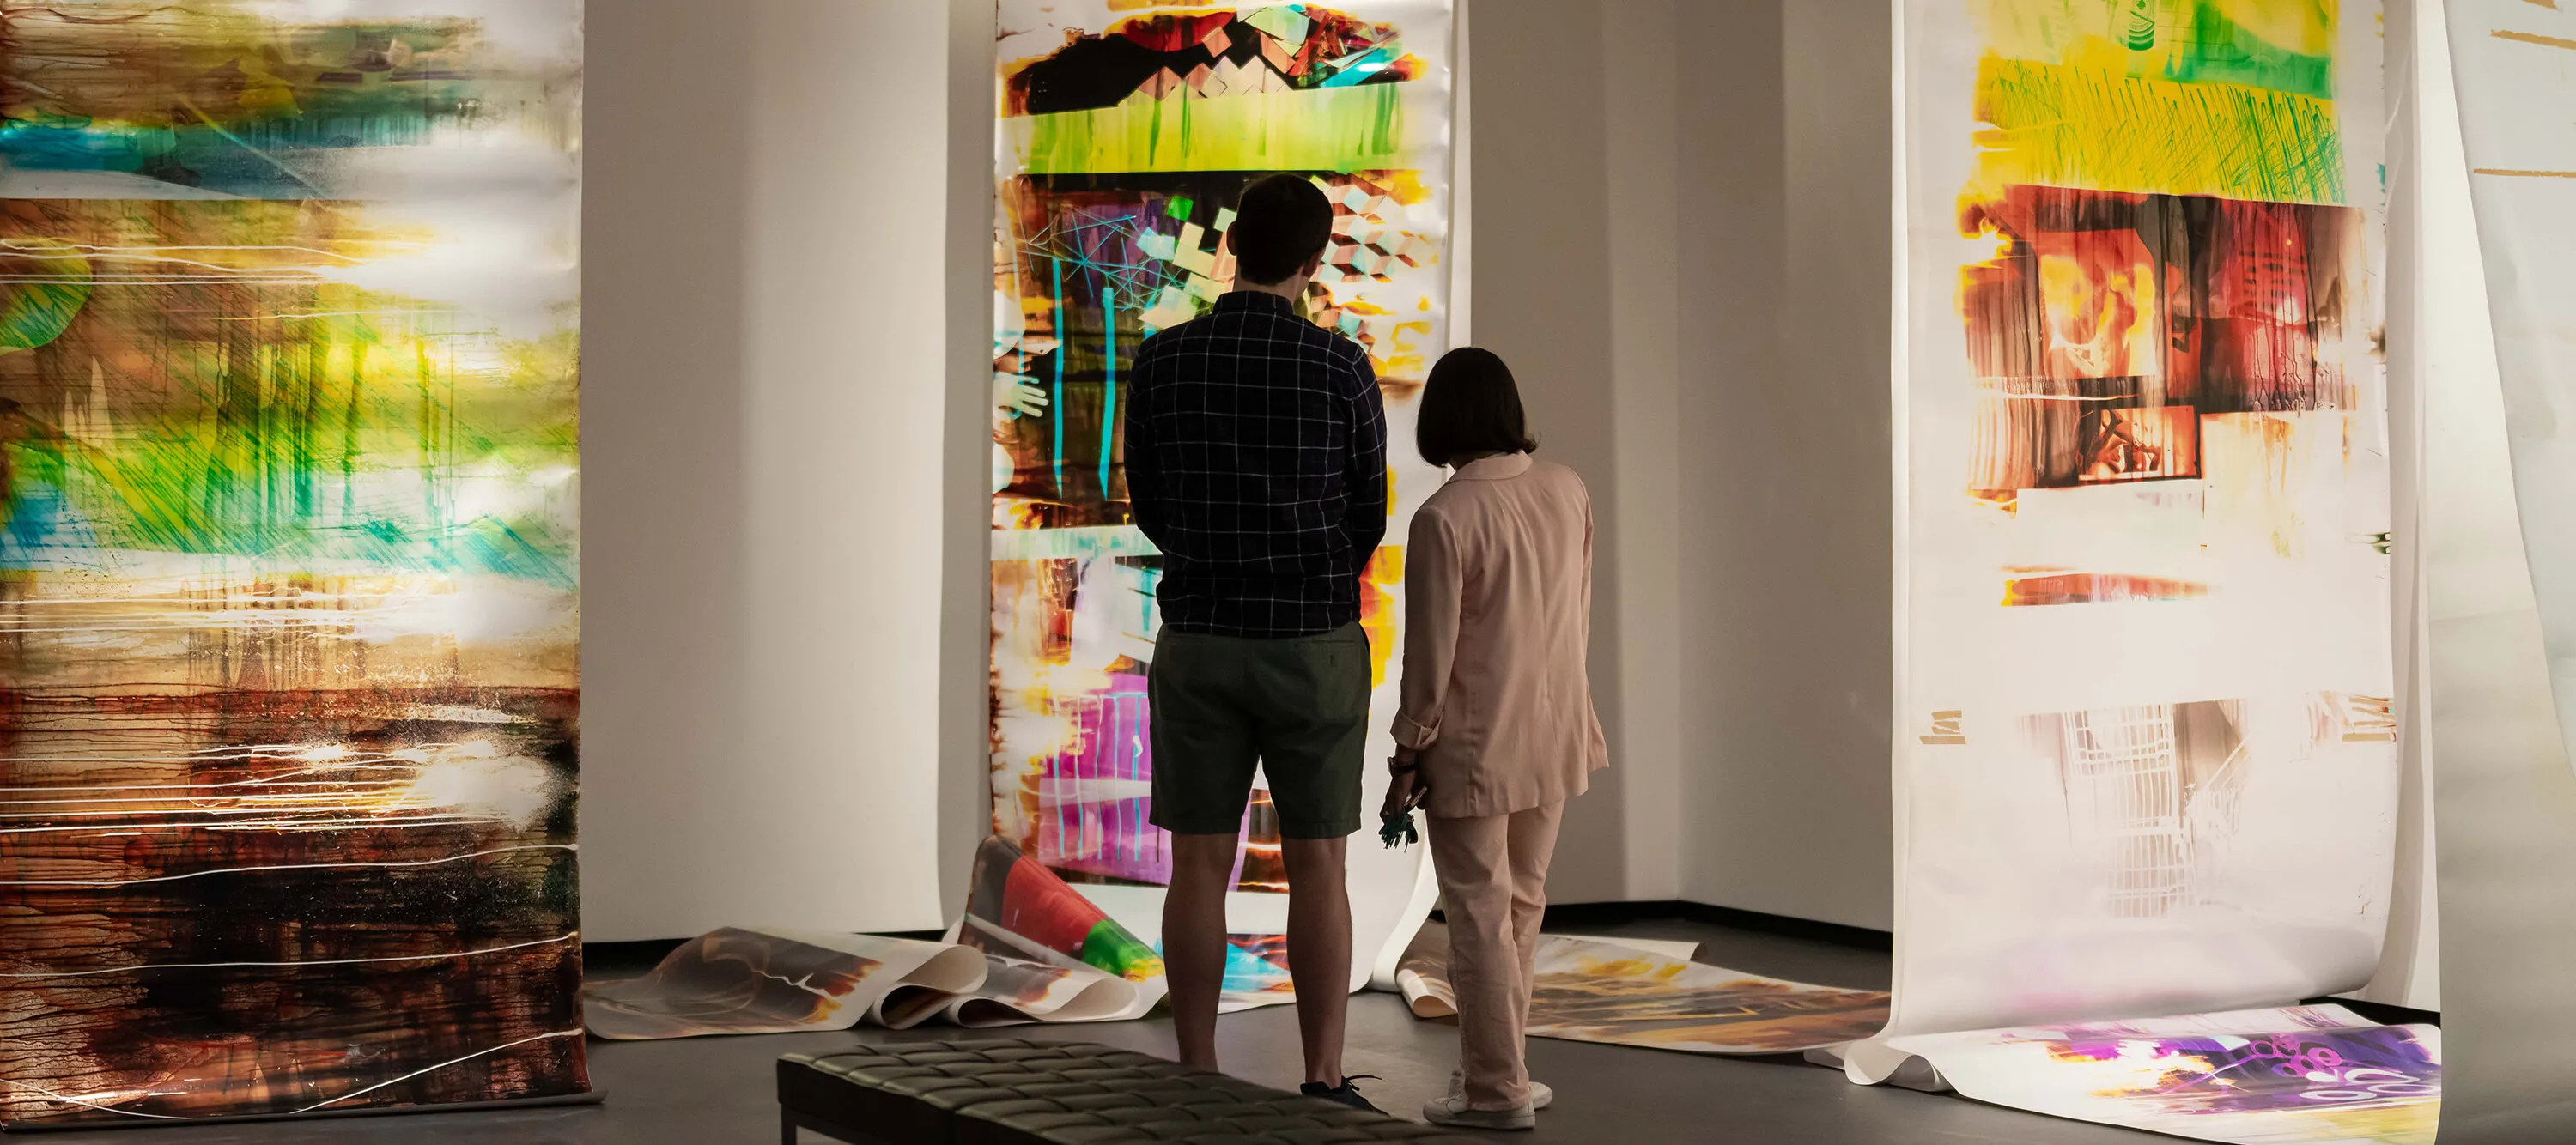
(1256, 460)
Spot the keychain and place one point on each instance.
(1395, 828)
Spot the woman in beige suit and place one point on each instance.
(1497, 729)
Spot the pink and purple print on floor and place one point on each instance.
(2305, 1075)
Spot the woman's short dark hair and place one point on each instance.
(1471, 406)
(1280, 222)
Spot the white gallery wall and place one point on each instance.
(1705, 341)
(1541, 300)
(763, 417)
(1787, 532)
(1641, 204)
(965, 806)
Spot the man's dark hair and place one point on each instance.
(1471, 406)
(1281, 222)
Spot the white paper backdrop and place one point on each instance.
(2504, 603)
(2144, 763)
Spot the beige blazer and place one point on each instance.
(1498, 614)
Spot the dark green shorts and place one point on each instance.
(1298, 706)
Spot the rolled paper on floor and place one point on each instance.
(1027, 949)
(1595, 990)
(735, 981)
(1019, 901)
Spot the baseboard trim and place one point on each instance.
(646, 952)
(1579, 916)
(2383, 1013)
(651, 951)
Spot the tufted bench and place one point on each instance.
(1039, 1093)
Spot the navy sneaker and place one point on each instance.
(1343, 1094)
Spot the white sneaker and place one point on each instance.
(1540, 1096)
(1453, 1112)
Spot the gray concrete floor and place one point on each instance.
(719, 1091)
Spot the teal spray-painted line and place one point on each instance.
(1109, 416)
(1061, 349)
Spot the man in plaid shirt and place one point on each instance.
(1256, 460)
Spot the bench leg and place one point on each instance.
(789, 1122)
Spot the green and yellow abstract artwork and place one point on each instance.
(290, 463)
(1126, 133)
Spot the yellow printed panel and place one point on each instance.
(2065, 126)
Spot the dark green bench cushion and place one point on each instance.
(1053, 1093)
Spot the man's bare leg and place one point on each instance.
(1194, 940)
(1319, 949)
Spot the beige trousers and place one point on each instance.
(1493, 884)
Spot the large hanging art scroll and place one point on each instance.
(289, 672)
(2146, 763)
(2504, 597)
(1126, 133)
(2516, 73)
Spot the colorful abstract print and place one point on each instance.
(2379, 1067)
(2147, 507)
(2306, 1074)
(289, 558)
(1123, 144)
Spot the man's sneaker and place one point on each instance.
(1540, 1096)
(1345, 1093)
(1453, 1112)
